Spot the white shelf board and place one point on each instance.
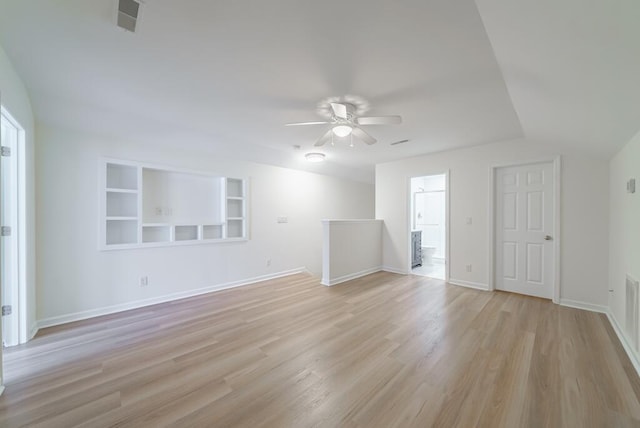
(121, 218)
(118, 190)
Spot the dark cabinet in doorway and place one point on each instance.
(416, 248)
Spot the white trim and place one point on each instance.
(1, 389)
(631, 353)
(584, 305)
(556, 163)
(557, 223)
(333, 281)
(447, 228)
(394, 270)
(77, 316)
(469, 284)
(491, 216)
(33, 331)
(20, 211)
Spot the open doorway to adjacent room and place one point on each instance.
(428, 234)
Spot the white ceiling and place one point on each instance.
(225, 76)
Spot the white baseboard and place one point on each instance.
(394, 270)
(622, 337)
(333, 281)
(584, 305)
(469, 284)
(33, 331)
(631, 353)
(77, 316)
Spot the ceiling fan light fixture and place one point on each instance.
(342, 130)
(314, 157)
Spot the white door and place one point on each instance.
(524, 229)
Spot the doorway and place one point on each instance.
(12, 292)
(526, 229)
(428, 226)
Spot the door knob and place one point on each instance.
(548, 238)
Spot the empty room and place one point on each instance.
(319, 214)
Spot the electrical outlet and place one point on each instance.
(469, 220)
(268, 262)
(631, 185)
(468, 267)
(283, 220)
(144, 281)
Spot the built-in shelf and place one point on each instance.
(144, 205)
(122, 204)
(235, 188)
(121, 231)
(212, 231)
(156, 233)
(121, 176)
(236, 208)
(235, 228)
(186, 233)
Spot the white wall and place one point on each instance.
(14, 97)
(624, 226)
(75, 277)
(584, 215)
(351, 249)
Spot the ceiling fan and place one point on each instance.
(345, 121)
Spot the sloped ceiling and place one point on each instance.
(225, 76)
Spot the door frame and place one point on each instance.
(557, 235)
(19, 244)
(447, 223)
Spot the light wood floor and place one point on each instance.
(382, 351)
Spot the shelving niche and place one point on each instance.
(144, 205)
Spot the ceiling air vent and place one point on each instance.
(128, 14)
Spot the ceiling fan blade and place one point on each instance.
(340, 110)
(359, 133)
(326, 137)
(305, 123)
(379, 120)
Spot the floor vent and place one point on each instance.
(632, 311)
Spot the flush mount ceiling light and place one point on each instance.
(342, 130)
(314, 157)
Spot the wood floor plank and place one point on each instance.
(384, 350)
